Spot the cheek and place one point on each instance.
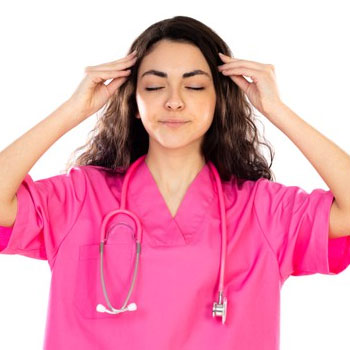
(206, 111)
(205, 123)
(147, 107)
(141, 104)
(206, 102)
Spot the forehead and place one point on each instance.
(174, 59)
(184, 75)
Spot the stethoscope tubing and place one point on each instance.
(220, 308)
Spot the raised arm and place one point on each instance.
(19, 157)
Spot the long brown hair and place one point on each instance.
(231, 143)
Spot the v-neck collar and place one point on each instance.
(145, 198)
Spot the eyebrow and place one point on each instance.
(185, 75)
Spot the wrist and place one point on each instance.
(74, 115)
(273, 112)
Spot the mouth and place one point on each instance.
(173, 121)
(174, 124)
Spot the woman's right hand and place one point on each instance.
(92, 93)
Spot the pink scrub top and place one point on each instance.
(273, 231)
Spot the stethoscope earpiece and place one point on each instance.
(130, 307)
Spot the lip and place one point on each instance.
(173, 121)
(173, 124)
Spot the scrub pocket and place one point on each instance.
(118, 265)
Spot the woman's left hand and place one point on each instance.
(262, 92)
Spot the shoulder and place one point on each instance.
(98, 178)
(241, 192)
(244, 187)
(290, 198)
(260, 190)
(93, 171)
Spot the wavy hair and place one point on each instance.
(232, 142)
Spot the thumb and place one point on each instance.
(115, 84)
(241, 82)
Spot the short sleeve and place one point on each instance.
(46, 211)
(296, 226)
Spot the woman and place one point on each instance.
(175, 112)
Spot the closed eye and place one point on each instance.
(157, 88)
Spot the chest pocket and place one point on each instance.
(118, 259)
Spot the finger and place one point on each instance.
(241, 63)
(126, 58)
(99, 76)
(115, 84)
(119, 64)
(241, 81)
(252, 73)
(232, 60)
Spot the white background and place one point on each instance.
(45, 47)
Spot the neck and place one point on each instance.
(174, 170)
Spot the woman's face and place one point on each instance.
(175, 97)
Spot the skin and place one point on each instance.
(174, 157)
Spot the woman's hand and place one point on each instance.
(262, 92)
(92, 93)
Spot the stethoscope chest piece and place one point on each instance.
(220, 308)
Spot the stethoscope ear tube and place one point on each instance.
(130, 307)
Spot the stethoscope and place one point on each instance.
(220, 307)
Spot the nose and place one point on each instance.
(174, 102)
(175, 105)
